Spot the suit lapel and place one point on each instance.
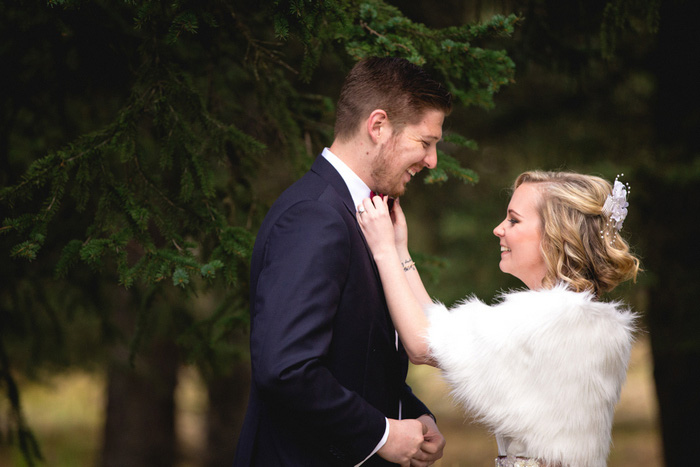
(326, 171)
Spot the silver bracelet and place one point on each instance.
(408, 264)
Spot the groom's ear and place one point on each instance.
(378, 126)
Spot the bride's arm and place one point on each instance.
(401, 240)
(403, 287)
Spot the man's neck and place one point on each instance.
(356, 156)
(358, 189)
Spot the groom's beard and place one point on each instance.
(387, 171)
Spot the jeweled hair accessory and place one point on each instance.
(615, 208)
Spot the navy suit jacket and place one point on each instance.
(326, 371)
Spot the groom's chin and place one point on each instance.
(397, 192)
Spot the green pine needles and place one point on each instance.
(152, 180)
(155, 184)
(150, 190)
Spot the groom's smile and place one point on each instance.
(408, 150)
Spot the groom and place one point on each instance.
(328, 370)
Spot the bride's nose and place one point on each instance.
(499, 231)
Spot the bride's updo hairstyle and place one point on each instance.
(578, 244)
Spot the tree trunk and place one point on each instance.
(228, 398)
(140, 422)
(673, 315)
(671, 191)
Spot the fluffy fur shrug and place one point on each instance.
(542, 367)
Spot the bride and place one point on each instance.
(543, 368)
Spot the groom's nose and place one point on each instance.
(430, 160)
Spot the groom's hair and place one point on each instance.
(400, 88)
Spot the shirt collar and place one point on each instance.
(358, 189)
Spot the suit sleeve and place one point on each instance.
(412, 407)
(305, 265)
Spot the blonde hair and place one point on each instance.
(570, 208)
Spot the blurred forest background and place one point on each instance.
(141, 143)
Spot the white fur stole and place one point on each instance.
(543, 367)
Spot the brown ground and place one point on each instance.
(67, 418)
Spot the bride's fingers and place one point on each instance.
(395, 207)
(365, 209)
(364, 204)
(379, 200)
(373, 205)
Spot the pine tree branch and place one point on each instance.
(372, 31)
(155, 187)
(48, 209)
(257, 46)
(52, 168)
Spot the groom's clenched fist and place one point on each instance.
(404, 441)
(433, 443)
